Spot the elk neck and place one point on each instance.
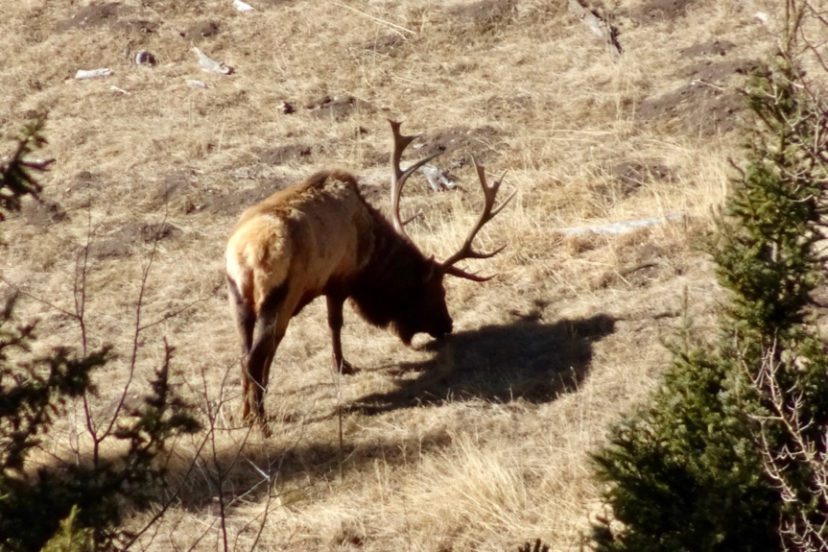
(394, 271)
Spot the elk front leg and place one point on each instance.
(340, 365)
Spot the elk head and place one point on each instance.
(427, 311)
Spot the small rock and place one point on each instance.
(201, 29)
(142, 57)
(286, 108)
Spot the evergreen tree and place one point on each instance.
(707, 465)
(17, 175)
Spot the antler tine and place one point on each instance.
(467, 250)
(399, 176)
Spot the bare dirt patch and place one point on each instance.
(458, 143)
(711, 48)
(631, 175)
(661, 10)
(719, 71)
(112, 14)
(642, 263)
(122, 241)
(698, 108)
(44, 213)
(93, 15)
(337, 108)
(648, 263)
(174, 192)
(388, 44)
(485, 15)
(281, 155)
(709, 103)
(202, 29)
(233, 202)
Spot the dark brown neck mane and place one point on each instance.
(385, 288)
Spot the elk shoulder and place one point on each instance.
(305, 237)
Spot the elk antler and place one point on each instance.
(399, 176)
(466, 251)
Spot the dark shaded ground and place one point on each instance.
(337, 108)
(631, 175)
(112, 14)
(526, 360)
(126, 236)
(457, 145)
(485, 15)
(710, 102)
(202, 29)
(661, 10)
(243, 470)
(697, 108)
(711, 48)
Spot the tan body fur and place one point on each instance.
(305, 236)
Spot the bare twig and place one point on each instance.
(803, 532)
(136, 335)
(175, 313)
(24, 292)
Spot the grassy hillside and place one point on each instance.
(481, 443)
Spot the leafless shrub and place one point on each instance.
(799, 469)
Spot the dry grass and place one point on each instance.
(478, 446)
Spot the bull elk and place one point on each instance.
(321, 237)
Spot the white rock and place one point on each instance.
(242, 6)
(436, 178)
(210, 65)
(93, 73)
(193, 83)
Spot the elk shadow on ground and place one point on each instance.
(527, 360)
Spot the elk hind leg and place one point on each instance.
(268, 331)
(243, 313)
(245, 317)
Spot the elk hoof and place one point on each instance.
(345, 368)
